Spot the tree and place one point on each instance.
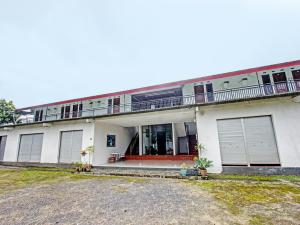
(7, 111)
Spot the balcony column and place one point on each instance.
(140, 140)
(174, 138)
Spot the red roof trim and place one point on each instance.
(172, 84)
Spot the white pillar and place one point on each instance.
(140, 140)
(174, 139)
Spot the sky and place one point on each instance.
(62, 49)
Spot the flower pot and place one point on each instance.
(88, 168)
(183, 172)
(203, 172)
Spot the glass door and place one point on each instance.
(268, 89)
(280, 82)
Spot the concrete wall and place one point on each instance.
(102, 152)
(51, 139)
(285, 114)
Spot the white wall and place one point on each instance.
(102, 152)
(286, 120)
(51, 139)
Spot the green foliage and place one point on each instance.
(202, 163)
(200, 148)
(7, 110)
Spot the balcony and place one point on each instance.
(228, 95)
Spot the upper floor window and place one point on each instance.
(109, 106)
(296, 77)
(280, 82)
(116, 105)
(38, 116)
(199, 93)
(77, 110)
(210, 92)
(65, 112)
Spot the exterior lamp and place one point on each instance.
(244, 81)
(226, 84)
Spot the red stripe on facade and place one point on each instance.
(172, 84)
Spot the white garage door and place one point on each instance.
(70, 146)
(247, 141)
(30, 148)
(2, 147)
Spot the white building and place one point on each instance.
(247, 120)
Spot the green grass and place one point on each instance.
(254, 177)
(260, 220)
(237, 194)
(13, 179)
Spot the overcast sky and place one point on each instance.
(57, 50)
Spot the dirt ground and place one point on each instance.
(150, 201)
(113, 201)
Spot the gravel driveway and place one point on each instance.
(113, 202)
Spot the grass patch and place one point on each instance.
(12, 179)
(260, 220)
(254, 177)
(238, 195)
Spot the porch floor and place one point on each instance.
(151, 164)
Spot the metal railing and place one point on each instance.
(233, 94)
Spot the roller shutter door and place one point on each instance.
(260, 139)
(2, 147)
(232, 143)
(247, 141)
(30, 148)
(70, 145)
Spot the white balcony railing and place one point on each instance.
(249, 92)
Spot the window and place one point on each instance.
(38, 115)
(199, 93)
(296, 77)
(296, 74)
(75, 111)
(109, 108)
(67, 111)
(111, 141)
(210, 92)
(280, 82)
(268, 89)
(116, 105)
(62, 112)
(80, 109)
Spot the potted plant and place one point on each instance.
(200, 148)
(78, 167)
(87, 166)
(202, 164)
(183, 170)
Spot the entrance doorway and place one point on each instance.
(161, 142)
(158, 140)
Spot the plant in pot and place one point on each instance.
(77, 167)
(183, 169)
(200, 148)
(202, 164)
(87, 167)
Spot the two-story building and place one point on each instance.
(245, 119)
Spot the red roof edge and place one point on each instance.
(171, 84)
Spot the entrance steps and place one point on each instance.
(138, 172)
